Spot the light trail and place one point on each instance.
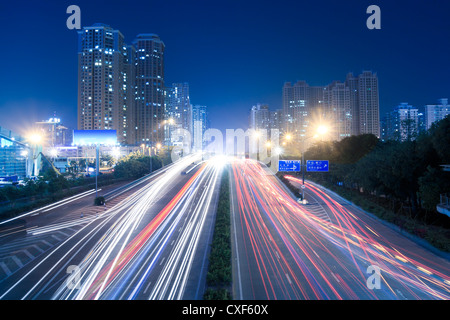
(121, 263)
(52, 206)
(297, 255)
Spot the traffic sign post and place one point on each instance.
(299, 165)
(313, 166)
(317, 166)
(289, 165)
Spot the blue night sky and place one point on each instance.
(234, 54)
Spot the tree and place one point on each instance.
(440, 138)
(130, 169)
(109, 159)
(353, 148)
(433, 183)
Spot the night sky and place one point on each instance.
(234, 54)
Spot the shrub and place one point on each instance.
(99, 201)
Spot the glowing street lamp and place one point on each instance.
(54, 153)
(278, 151)
(35, 138)
(321, 130)
(116, 153)
(256, 134)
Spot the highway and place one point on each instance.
(325, 250)
(152, 241)
(152, 244)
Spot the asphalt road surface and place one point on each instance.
(325, 250)
(151, 242)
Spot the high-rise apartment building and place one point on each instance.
(199, 126)
(367, 104)
(302, 105)
(178, 113)
(149, 89)
(295, 108)
(120, 86)
(276, 119)
(351, 108)
(436, 112)
(102, 80)
(260, 117)
(400, 124)
(338, 107)
(178, 105)
(16, 158)
(54, 133)
(352, 83)
(129, 87)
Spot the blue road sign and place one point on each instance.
(290, 165)
(317, 165)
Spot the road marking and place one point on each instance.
(37, 248)
(47, 243)
(148, 286)
(289, 279)
(17, 261)
(5, 268)
(28, 254)
(401, 294)
(316, 254)
(334, 276)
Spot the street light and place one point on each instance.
(278, 151)
(53, 153)
(35, 138)
(321, 130)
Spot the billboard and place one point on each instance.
(95, 137)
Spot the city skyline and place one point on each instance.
(232, 66)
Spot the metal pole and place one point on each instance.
(97, 167)
(303, 170)
(151, 162)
